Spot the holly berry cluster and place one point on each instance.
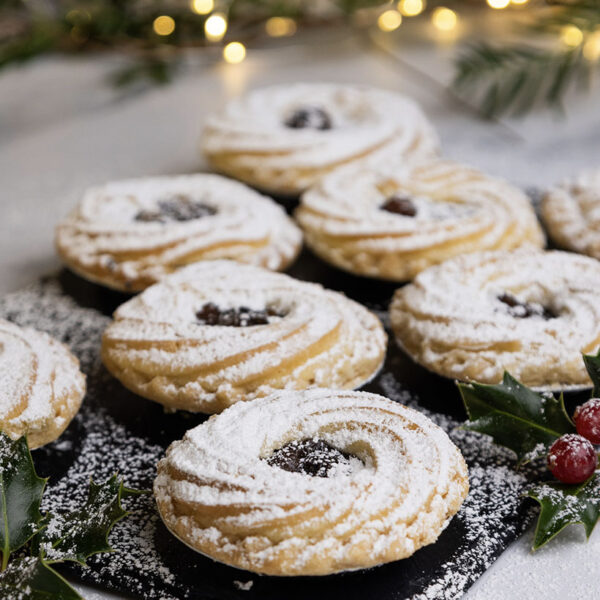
(536, 425)
(572, 458)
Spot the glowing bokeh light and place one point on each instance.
(163, 25)
(444, 19)
(389, 20)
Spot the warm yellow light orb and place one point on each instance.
(280, 26)
(389, 20)
(519, 2)
(202, 7)
(498, 4)
(444, 18)
(163, 25)
(411, 8)
(234, 52)
(571, 36)
(591, 48)
(215, 27)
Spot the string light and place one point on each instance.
(215, 27)
(234, 52)
(411, 8)
(202, 7)
(591, 48)
(389, 20)
(163, 25)
(519, 2)
(498, 4)
(444, 18)
(571, 36)
(280, 26)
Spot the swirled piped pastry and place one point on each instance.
(311, 483)
(129, 234)
(391, 220)
(41, 386)
(571, 213)
(526, 312)
(284, 138)
(218, 332)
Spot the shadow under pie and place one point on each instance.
(144, 418)
(403, 380)
(411, 575)
(91, 295)
(375, 293)
(55, 459)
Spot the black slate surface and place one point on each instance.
(118, 431)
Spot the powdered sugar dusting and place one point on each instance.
(410, 480)
(150, 563)
(324, 339)
(456, 209)
(41, 385)
(453, 321)
(250, 132)
(104, 240)
(452, 202)
(571, 211)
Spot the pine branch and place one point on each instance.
(515, 79)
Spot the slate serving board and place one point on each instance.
(118, 431)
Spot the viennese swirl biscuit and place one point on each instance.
(284, 138)
(391, 220)
(526, 312)
(41, 386)
(129, 234)
(215, 333)
(311, 483)
(571, 213)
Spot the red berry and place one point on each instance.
(587, 420)
(572, 458)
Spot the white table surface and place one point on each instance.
(62, 128)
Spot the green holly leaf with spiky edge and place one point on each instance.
(563, 504)
(30, 578)
(20, 496)
(515, 416)
(78, 534)
(592, 364)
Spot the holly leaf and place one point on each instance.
(20, 496)
(563, 504)
(78, 534)
(30, 578)
(515, 416)
(592, 364)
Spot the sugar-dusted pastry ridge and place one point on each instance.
(531, 313)
(119, 237)
(217, 493)
(571, 213)
(41, 386)
(158, 346)
(452, 209)
(249, 139)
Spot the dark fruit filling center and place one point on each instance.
(312, 457)
(211, 314)
(524, 310)
(400, 205)
(178, 208)
(310, 117)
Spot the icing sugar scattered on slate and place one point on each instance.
(152, 564)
